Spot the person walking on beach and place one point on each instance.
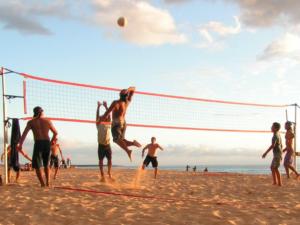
(54, 159)
(118, 129)
(40, 127)
(151, 155)
(104, 148)
(289, 156)
(276, 146)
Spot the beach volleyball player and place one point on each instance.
(289, 156)
(40, 127)
(104, 148)
(118, 108)
(151, 155)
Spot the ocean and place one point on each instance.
(249, 169)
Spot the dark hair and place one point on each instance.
(153, 138)
(37, 111)
(276, 126)
(123, 95)
(289, 123)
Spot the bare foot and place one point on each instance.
(274, 183)
(137, 144)
(111, 179)
(102, 180)
(129, 152)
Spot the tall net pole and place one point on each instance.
(295, 141)
(5, 131)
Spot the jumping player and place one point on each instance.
(54, 159)
(40, 127)
(276, 146)
(288, 159)
(118, 129)
(104, 149)
(151, 155)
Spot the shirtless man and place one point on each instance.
(118, 109)
(40, 127)
(54, 160)
(288, 159)
(151, 156)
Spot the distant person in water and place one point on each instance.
(54, 159)
(118, 129)
(187, 168)
(289, 156)
(194, 168)
(205, 170)
(151, 155)
(40, 127)
(17, 170)
(276, 146)
(104, 148)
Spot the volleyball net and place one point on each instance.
(76, 102)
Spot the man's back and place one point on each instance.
(40, 128)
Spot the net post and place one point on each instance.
(295, 139)
(24, 97)
(5, 131)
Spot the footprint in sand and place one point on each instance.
(111, 212)
(216, 213)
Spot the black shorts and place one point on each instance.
(104, 151)
(151, 159)
(41, 154)
(54, 161)
(118, 131)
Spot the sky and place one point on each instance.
(238, 50)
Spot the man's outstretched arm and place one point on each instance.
(109, 110)
(52, 128)
(131, 91)
(97, 112)
(144, 149)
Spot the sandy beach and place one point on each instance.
(77, 197)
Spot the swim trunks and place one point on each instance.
(151, 159)
(104, 151)
(118, 130)
(41, 154)
(54, 161)
(288, 159)
(276, 162)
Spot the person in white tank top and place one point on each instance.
(104, 148)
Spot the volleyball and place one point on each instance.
(122, 21)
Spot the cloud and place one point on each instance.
(287, 46)
(266, 13)
(143, 27)
(147, 25)
(256, 13)
(26, 17)
(214, 33)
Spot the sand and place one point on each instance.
(136, 198)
